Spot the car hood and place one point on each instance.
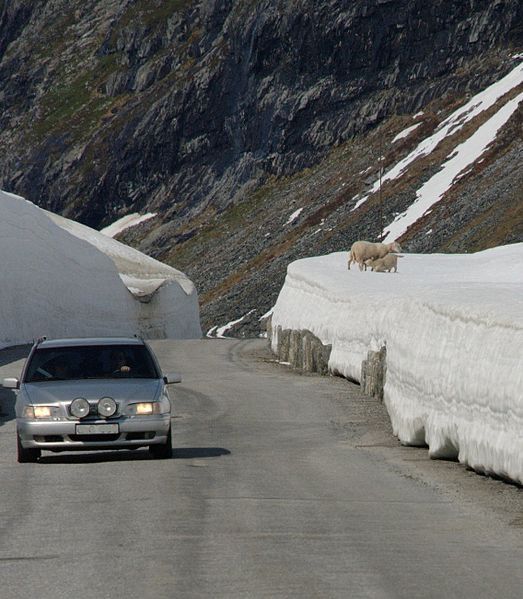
(129, 390)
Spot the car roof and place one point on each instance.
(83, 341)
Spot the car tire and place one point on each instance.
(26, 455)
(162, 451)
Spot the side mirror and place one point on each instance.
(11, 383)
(172, 377)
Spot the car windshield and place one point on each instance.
(91, 362)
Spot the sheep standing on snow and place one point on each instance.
(385, 264)
(366, 250)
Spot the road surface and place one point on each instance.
(281, 485)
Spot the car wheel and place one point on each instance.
(26, 455)
(163, 451)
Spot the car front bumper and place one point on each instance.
(61, 435)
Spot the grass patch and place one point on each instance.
(151, 13)
(76, 105)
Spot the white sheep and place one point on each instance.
(385, 264)
(366, 250)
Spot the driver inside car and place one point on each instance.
(119, 363)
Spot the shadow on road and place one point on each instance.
(130, 455)
(189, 453)
(95, 457)
(9, 355)
(7, 405)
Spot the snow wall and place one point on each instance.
(453, 329)
(66, 280)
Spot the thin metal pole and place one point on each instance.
(380, 197)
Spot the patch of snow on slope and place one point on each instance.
(267, 314)
(293, 216)
(453, 328)
(405, 133)
(476, 105)
(219, 332)
(126, 222)
(462, 157)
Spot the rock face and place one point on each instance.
(194, 110)
(302, 350)
(373, 372)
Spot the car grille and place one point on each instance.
(87, 438)
(93, 412)
(140, 436)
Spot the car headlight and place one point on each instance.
(148, 408)
(106, 407)
(145, 408)
(79, 407)
(39, 412)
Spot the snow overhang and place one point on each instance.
(141, 274)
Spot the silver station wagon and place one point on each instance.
(96, 393)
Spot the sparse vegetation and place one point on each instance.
(77, 104)
(152, 12)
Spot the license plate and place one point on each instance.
(97, 429)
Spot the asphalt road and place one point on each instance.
(281, 485)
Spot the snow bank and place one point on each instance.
(453, 328)
(141, 274)
(59, 278)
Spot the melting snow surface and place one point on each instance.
(453, 328)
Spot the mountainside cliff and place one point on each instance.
(224, 117)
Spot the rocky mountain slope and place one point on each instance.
(226, 117)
